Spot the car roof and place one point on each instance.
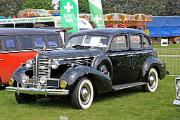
(109, 31)
(26, 31)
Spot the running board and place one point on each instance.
(124, 86)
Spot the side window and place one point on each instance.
(119, 43)
(52, 41)
(26, 42)
(146, 42)
(39, 41)
(10, 43)
(135, 41)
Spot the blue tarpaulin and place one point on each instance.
(164, 26)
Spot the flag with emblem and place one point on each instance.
(69, 14)
(96, 13)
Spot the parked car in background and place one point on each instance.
(177, 86)
(21, 44)
(93, 61)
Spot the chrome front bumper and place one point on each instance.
(35, 91)
(176, 102)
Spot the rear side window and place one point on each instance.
(26, 42)
(119, 43)
(52, 41)
(39, 41)
(146, 42)
(10, 43)
(135, 41)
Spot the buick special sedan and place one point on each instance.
(93, 62)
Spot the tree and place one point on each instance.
(10, 7)
(38, 4)
(153, 7)
(83, 6)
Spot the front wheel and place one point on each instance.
(83, 94)
(152, 83)
(25, 98)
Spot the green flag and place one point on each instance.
(69, 14)
(96, 13)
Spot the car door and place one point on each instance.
(121, 59)
(138, 56)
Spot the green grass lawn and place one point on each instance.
(129, 104)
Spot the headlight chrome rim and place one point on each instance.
(29, 64)
(178, 83)
(55, 64)
(24, 78)
(43, 80)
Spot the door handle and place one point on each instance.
(1, 59)
(130, 55)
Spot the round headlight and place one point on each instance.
(24, 78)
(43, 80)
(178, 94)
(178, 83)
(29, 64)
(54, 64)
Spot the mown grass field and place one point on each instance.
(130, 104)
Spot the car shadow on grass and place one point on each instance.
(118, 94)
(62, 102)
(2, 88)
(65, 102)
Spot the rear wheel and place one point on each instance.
(152, 83)
(25, 98)
(83, 94)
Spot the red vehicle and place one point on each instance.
(17, 45)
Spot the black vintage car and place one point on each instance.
(93, 61)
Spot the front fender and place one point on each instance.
(101, 82)
(16, 75)
(103, 59)
(157, 64)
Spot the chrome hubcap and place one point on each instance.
(85, 94)
(152, 80)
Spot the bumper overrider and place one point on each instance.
(177, 100)
(36, 91)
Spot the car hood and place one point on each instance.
(71, 53)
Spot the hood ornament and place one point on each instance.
(42, 51)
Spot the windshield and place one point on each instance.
(92, 41)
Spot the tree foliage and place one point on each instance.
(83, 6)
(10, 7)
(38, 4)
(153, 7)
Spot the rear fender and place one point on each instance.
(101, 82)
(152, 63)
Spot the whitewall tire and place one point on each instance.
(83, 94)
(153, 80)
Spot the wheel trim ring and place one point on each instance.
(85, 100)
(152, 80)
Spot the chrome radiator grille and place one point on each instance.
(44, 68)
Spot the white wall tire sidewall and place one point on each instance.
(86, 81)
(157, 79)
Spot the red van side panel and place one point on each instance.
(9, 62)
